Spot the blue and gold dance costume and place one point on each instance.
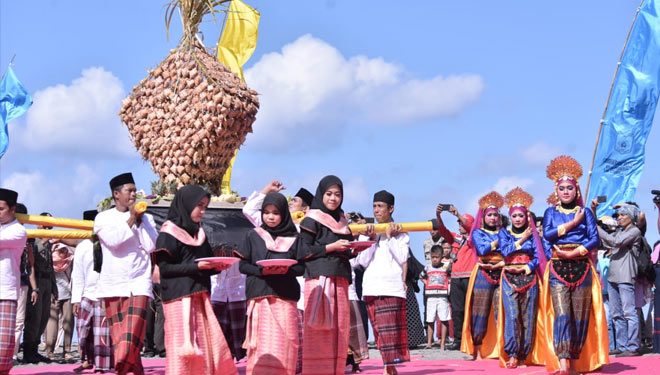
(520, 294)
(571, 301)
(483, 296)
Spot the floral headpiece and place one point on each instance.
(492, 199)
(518, 197)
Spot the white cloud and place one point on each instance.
(79, 118)
(503, 185)
(540, 153)
(68, 195)
(310, 88)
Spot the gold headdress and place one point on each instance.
(564, 166)
(492, 199)
(518, 197)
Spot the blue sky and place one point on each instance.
(435, 101)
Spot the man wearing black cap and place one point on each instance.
(94, 341)
(127, 238)
(383, 284)
(12, 242)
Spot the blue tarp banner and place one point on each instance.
(620, 154)
(14, 101)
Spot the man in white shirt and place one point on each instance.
(94, 341)
(229, 303)
(12, 242)
(127, 239)
(383, 286)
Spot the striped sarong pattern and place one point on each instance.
(232, 319)
(213, 355)
(7, 330)
(127, 327)
(94, 338)
(272, 336)
(357, 340)
(325, 348)
(388, 319)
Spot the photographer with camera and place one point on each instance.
(625, 245)
(464, 262)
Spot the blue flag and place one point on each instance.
(620, 154)
(14, 101)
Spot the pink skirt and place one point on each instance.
(213, 355)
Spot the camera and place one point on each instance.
(601, 198)
(656, 199)
(354, 216)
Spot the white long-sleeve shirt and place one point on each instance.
(126, 250)
(352, 293)
(83, 277)
(252, 211)
(12, 242)
(228, 285)
(383, 263)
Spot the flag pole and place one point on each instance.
(609, 96)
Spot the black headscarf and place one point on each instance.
(286, 228)
(183, 204)
(324, 185)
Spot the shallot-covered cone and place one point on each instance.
(190, 114)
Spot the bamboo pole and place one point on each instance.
(419, 226)
(60, 234)
(49, 221)
(607, 104)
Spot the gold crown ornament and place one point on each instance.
(564, 167)
(518, 197)
(492, 199)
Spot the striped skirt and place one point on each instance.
(272, 336)
(127, 327)
(7, 329)
(388, 319)
(212, 355)
(357, 340)
(327, 324)
(94, 341)
(231, 316)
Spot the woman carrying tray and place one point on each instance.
(326, 236)
(268, 258)
(193, 336)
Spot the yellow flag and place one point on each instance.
(238, 41)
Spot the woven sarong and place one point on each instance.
(272, 336)
(484, 296)
(127, 325)
(572, 306)
(232, 319)
(213, 356)
(7, 330)
(325, 341)
(357, 340)
(94, 341)
(388, 319)
(520, 303)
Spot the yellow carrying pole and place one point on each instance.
(418, 226)
(55, 221)
(61, 234)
